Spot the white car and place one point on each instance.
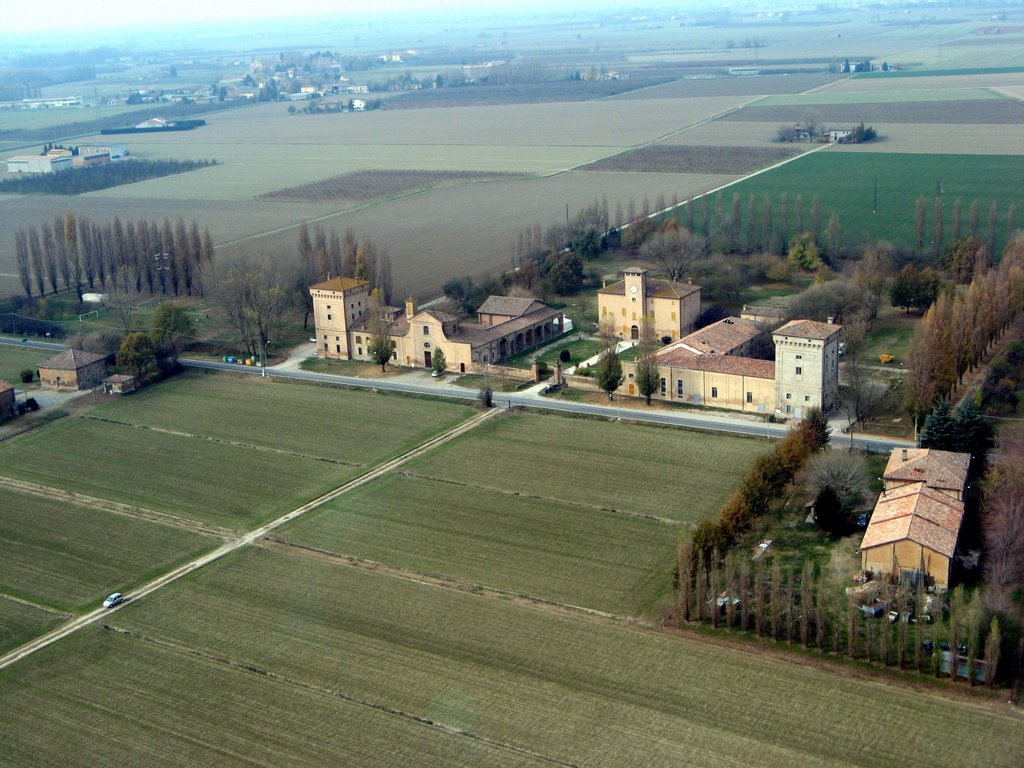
(115, 599)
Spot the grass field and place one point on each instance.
(69, 556)
(544, 548)
(188, 477)
(19, 623)
(895, 96)
(985, 110)
(266, 628)
(314, 421)
(13, 361)
(674, 474)
(844, 182)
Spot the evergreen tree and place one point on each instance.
(939, 428)
(608, 372)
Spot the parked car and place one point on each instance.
(115, 599)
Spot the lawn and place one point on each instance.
(669, 473)
(891, 336)
(579, 349)
(19, 623)
(70, 557)
(568, 687)
(844, 182)
(538, 547)
(312, 421)
(188, 477)
(14, 360)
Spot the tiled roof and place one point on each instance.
(120, 378)
(808, 329)
(338, 284)
(937, 469)
(509, 306)
(919, 514)
(4, 386)
(681, 357)
(659, 289)
(71, 360)
(723, 337)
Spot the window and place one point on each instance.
(426, 330)
(750, 397)
(807, 398)
(789, 409)
(679, 388)
(359, 339)
(799, 357)
(634, 315)
(673, 316)
(604, 311)
(328, 315)
(337, 348)
(359, 351)
(714, 391)
(426, 345)
(789, 396)
(623, 311)
(799, 371)
(663, 387)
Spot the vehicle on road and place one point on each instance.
(115, 599)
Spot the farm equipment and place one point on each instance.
(887, 358)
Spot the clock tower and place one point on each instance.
(636, 290)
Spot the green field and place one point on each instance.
(189, 477)
(265, 627)
(69, 556)
(19, 623)
(673, 474)
(314, 421)
(845, 182)
(538, 547)
(13, 361)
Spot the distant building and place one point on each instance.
(508, 326)
(673, 307)
(357, 105)
(839, 135)
(39, 163)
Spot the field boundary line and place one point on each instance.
(220, 440)
(37, 644)
(554, 499)
(30, 604)
(333, 693)
(440, 581)
(116, 507)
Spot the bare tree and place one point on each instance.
(22, 257)
(674, 252)
(844, 472)
(250, 292)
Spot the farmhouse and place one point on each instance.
(6, 400)
(346, 322)
(916, 522)
(72, 369)
(673, 307)
(711, 367)
(119, 384)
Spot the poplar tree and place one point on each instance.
(957, 215)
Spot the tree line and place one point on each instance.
(78, 181)
(74, 253)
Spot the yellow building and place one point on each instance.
(507, 326)
(673, 307)
(806, 366)
(916, 521)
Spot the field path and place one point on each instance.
(115, 507)
(248, 538)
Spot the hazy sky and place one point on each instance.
(64, 14)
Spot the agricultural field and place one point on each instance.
(363, 186)
(20, 622)
(546, 548)
(309, 639)
(307, 421)
(845, 181)
(667, 158)
(68, 556)
(829, 96)
(996, 111)
(596, 464)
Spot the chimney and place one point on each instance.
(410, 308)
(829, 319)
(604, 283)
(904, 454)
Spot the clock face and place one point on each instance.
(632, 289)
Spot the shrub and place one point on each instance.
(27, 375)
(564, 356)
(486, 397)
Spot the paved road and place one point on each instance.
(712, 421)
